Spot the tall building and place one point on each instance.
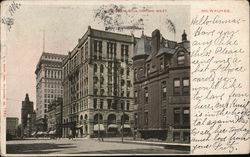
(97, 83)
(161, 88)
(11, 126)
(49, 83)
(27, 108)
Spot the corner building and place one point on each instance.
(162, 88)
(97, 83)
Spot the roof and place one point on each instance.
(143, 46)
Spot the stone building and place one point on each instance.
(26, 110)
(49, 84)
(55, 117)
(97, 83)
(11, 126)
(162, 88)
(31, 128)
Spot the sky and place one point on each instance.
(64, 24)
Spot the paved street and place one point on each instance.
(83, 146)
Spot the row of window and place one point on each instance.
(53, 74)
(181, 116)
(181, 86)
(53, 57)
(151, 68)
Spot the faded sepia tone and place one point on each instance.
(129, 77)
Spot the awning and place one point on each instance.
(52, 132)
(126, 126)
(96, 127)
(112, 126)
(39, 133)
(33, 133)
(79, 126)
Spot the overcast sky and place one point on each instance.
(64, 24)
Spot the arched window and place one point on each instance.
(96, 118)
(126, 119)
(181, 58)
(111, 119)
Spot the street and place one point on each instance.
(83, 146)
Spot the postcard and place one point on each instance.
(124, 77)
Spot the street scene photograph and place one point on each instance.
(97, 77)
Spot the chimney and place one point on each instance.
(155, 41)
(184, 36)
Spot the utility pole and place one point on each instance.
(123, 122)
(98, 124)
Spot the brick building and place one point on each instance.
(97, 83)
(161, 88)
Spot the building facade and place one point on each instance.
(26, 111)
(55, 118)
(31, 128)
(49, 84)
(161, 88)
(97, 84)
(11, 126)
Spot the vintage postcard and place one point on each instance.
(124, 77)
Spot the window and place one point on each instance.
(146, 118)
(95, 91)
(146, 95)
(177, 116)
(95, 103)
(101, 104)
(176, 136)
(111, 50)
(86, 50)
(136, 97)
(185, 88)
(128, 71)
(129, 83)
(102, 92)
(164, 93)
(128, 94)
(128, 104)
(164, 121)
(102, 80)
(122, 71)
(95, 68)
(186, 117)
(101, 68)
(181, 58)
(177, 84)
(97, 49)
(124, 53)
(122, 105)
(95, 80)
(109, 103)
(161, 64)
(122, 82)
(135, 75)
(186, 136)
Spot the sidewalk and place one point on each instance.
(181, 146)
